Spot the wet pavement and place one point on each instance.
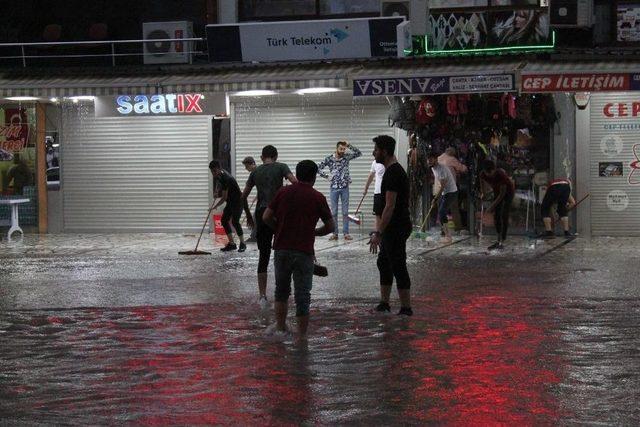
(120, 329)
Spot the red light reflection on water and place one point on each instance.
(486, 363)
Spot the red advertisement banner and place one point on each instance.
(14, 133)
(596, 82)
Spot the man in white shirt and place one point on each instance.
(447, 195)
(377, 172)
(448, 158)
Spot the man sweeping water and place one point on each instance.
(233, 208)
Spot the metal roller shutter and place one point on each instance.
(302, 129)
(608, 136)
(134, 174)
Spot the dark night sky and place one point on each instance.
(24, 20)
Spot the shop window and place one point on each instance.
(257, 10)
(18, 159)
(344, 7)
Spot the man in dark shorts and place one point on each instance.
(293, 214)
(393, 227)
(267, 178)
(503, 192)
(233, 208)
(558, 193)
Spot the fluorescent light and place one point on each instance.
(54, 99)
(256, 93)
(82, 98)
(316, 90)
(23, 98)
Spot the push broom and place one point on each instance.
(355, 218)
(196, 251)
(421, 234)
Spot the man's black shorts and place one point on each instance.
(378, 204)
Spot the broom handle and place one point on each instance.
(360, 204)
(205, 224)
(427, 217)
(578, 202)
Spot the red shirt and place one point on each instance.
(297, 209)
(497, 180)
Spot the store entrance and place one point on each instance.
(514, 131)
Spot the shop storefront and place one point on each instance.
(606, 109)
(477, 112)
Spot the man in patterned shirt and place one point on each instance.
(340, 179)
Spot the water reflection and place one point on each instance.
(472, 359)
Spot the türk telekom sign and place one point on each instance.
(170, 104)
(583, 82)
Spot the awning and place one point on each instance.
(281, 78)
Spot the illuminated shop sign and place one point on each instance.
(304, 40)
(401, 86)
(169, 104)
(584, 82)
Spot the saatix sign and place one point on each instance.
(169, 104)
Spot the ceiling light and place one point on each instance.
(54, 99)
(316, 90)
(22, 98)
(256, 93)
(82, 98)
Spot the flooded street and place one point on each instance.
(104, 329)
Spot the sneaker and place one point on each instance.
(229, 247)
(264, 303)
(405, 311)
(348, 237)
(242, 247)
(568, 234)
(333, 237)
(383, 307)
(495, 245)
(446, 240)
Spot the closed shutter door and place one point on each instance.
(145, 174)
(307, 131)
(615, 202)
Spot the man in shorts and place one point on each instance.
(447, 195)
(558, 193)
(393, 227)
(376, 173)
(267, 178)
(233, 208)
(293, 214)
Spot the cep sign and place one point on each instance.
(170, 104)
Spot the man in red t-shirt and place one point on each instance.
(503, 192)
(293, 214)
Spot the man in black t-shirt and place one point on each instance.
(393, 227)
(233, 208)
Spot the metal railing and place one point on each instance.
(23, 49)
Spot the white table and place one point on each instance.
(15, 225)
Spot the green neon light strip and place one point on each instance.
(491, 49)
